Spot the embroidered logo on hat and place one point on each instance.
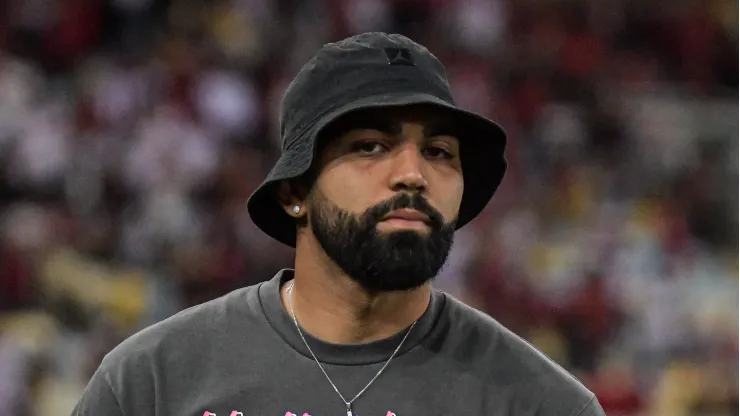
(399, 56)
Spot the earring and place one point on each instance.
(296, 209)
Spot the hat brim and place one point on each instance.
(482, 155)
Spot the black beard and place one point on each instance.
(394, 261)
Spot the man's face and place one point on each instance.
(386, 198)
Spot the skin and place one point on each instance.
(378, 154)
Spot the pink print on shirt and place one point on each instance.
(306, 414)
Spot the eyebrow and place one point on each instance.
(441, 129)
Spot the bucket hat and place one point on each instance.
(366, 71)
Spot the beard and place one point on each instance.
(382, 262)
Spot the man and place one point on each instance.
(378, 169)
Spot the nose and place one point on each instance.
(408, 170)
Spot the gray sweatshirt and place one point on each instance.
(240, 355)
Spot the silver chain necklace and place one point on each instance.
(289, 292)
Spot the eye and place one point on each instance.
(436, 152)
(368, 148)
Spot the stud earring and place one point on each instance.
(296, 209)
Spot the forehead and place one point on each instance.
(424, 115)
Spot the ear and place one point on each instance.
(289, 199)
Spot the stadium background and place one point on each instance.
(133, 131)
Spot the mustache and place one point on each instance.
(375, 214)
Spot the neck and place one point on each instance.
(336, 309)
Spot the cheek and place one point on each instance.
(347, 190)
(449, 198)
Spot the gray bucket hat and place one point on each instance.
(373, 70)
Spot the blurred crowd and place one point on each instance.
(133, 131)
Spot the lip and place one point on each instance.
(407, 215)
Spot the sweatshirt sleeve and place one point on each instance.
(593, 408)
(98, 397)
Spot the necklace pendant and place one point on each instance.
(349, 411)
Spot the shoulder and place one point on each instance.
(186, 332)
(161, 360)
(509, 363)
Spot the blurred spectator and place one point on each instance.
(16, 286)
